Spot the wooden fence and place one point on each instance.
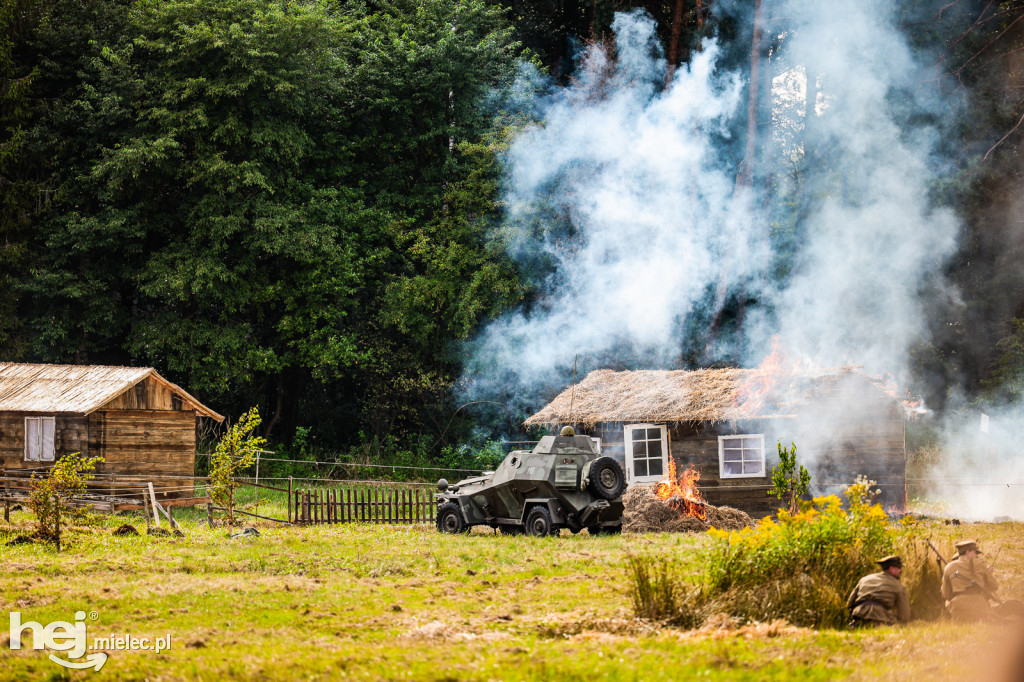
(375, 505)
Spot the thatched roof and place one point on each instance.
(713, 395)
(76, 389)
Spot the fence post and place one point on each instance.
(289, 499)
(7, 501)
(56, 517)
(145, 507)
(209, 513)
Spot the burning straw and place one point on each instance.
(646, 512)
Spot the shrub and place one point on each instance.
(789, 480)
(68, 477)
(801, 567)
(235, 451)
(658, 594)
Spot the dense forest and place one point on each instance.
(299, 204)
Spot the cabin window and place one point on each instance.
(646, 452)
(39, 433)
(741, 456)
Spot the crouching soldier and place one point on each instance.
(968, 585)
(880, 598)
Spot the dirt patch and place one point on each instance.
(436, 630)
(645, 513)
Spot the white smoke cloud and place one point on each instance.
(873, 240)
(652, 211)
(656, 223)
(625, 190)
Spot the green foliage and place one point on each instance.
(67, 478)
(275, 203)
(800, 567)
(235, 451)
(789, 480)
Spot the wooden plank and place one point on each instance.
(180, 502)
(152, 499)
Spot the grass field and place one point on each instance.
(367, 602)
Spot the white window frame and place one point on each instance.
(721, 456)
(41, 446)
(627, 437)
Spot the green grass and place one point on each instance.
(368, 602)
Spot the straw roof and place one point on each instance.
(76, 389)
(713, 395)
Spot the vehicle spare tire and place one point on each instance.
(606, 478)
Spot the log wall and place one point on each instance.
(846, 430)
(138, 446)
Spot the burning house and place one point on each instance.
(722, 425)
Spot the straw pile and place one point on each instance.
(645, 513)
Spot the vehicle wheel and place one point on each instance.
(538, 523)
(606, 478)
(512, 530)
(449, 519)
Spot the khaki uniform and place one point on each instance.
(880, 598)
(964, 585)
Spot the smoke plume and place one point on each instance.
(625, 198)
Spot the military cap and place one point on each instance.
(891, 560)
(965, 546)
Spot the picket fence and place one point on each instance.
(374, 505)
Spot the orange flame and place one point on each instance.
(752, 395)
(681, 493)
(913, 405)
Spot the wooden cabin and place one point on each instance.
(727, 423)
(143, 426)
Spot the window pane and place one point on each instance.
(32, 439)
(732, 455)
(752, 467)
(46, 452)
(733, 468)
(640, 467)
(654, 448)
(655, 467)
(653, 434)
(640, 448)
(752, 443)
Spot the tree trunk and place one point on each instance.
(673, 43)
(745, 176)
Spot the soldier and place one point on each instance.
(880, 598)
(968, 585)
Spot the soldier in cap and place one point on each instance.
(880, 598)
(967, 585)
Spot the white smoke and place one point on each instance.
(873, 240)
(652, 210)
(656, 224)
(625, 194)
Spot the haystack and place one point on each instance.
(645, 513)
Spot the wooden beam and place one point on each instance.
(152, 500)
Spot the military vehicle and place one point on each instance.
(564, 482)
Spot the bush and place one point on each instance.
(68, 477)
(235, 451)
(801, 567)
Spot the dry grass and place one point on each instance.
(711, 395)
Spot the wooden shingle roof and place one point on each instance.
(76, 389)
